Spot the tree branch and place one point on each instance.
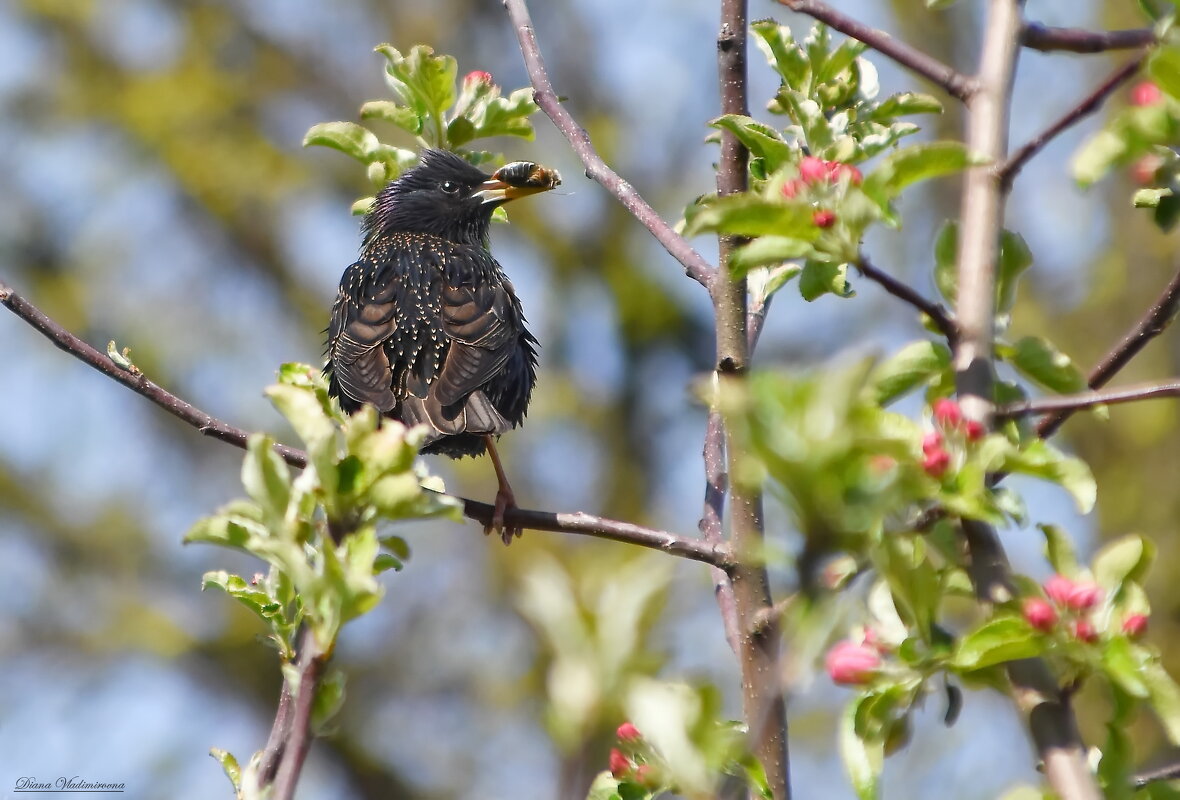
(1049, 717)
(1168, 772)
(717, 555)
(1074, 402)
(954, 83)
(297, 742)
(1154, 322)
(937, 314)
(1088, 105)
(1036, 36)
(758, 648)
(695, 265)
(716, 486)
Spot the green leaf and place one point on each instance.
(1122, 663)
(329, 699)
(863, 758)
(750, 215)
(253, 598)
(1126, 558)
(347, 137)
(946, 254)
(1015, 258)
(821, 277)
(266, 477)
(761, 140)
(784, 55)
(906, 103)
(766, 250)
(915, 163)
(1164, 68)
(997, 641)
(1059, 551)
(1039, 360)
(500, 116)
(1041, 460)
(1165, 698)
(425, 81)
(911, 367)
(402, 116)
(229, 765)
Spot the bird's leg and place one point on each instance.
(505, 499)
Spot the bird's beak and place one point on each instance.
(516, 180)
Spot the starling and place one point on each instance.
(426, 326)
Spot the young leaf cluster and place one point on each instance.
(318, 532)
(433, 107)
(809, 203)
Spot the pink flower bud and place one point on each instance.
(1039, 613)
(1145, 93)
(1135, 625)
(1143, 171)
(838, 170)
(974, 430)
(824, 218)
(947, 412)
(628, 732)
(477, 76)
(813, 170)
(931, 442)
(936, 462)
(1084, 596)
(620, 765)
(852, 664)
(792, 188)
(645, 776)
(1083, 631)
(1059, 588)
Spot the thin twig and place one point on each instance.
(1088, 105)
(1074, 402)
(1154, 322)
(716, 486)
(1048, 715)
(937, 314)
(758, 650)
(1036, 36)
(695, 265)
(1168, 772)
(575, 522)
(954, 83)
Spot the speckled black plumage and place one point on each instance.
(426, 325)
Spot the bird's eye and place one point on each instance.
(450, 187)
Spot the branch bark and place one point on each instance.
(716, 554)
(1049, 717)
(695, 265)
(1088, 105)
(762, 696)
(1075, 402)
(903, 291)
(1154, 322)
(952, 82)
(716, 486)
(1036, 36)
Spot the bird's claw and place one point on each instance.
(504, 501)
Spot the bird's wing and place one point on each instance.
(482, 322)
(362, 320)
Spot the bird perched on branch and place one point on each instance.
(426, 326)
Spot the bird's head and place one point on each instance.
(447, 197)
